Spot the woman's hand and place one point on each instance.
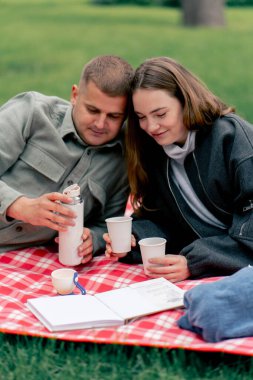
(172, 267)
(109, 253)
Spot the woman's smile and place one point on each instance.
(160, 115)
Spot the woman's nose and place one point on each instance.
(151, 125)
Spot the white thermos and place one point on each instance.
(70, 240)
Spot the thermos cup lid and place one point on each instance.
(72, 191)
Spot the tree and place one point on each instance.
(203, 12)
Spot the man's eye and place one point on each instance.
(114, 117)
(92, 110)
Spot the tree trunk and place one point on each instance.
(203, 12)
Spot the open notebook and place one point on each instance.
(111, 308)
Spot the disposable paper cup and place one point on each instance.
(120, 229)
(151, 248)
(63, 280)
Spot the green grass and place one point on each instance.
(24, 358)
(43, 46)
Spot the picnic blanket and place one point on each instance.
(26, 274)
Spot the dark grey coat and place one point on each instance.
(221, 173)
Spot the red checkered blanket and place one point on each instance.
(26, 274)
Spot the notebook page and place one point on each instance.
(72, 312)
(143, 298)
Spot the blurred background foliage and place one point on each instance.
(45, 43)
(169, 3)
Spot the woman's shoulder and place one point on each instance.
(229, 126)
(229, 134)
(234, 123)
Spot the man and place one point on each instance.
(47, 144)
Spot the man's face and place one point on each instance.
(97, 116)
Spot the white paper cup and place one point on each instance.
(150, 248)
(63, 280)
(120, 230)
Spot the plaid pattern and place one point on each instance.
(26, 274)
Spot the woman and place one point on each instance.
(190, 167)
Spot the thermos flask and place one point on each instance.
(70, 240)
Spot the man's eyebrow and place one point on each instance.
(91, 106)
(116, 113)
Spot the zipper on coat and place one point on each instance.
(249, 207)
(241, 229)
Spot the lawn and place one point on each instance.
(24, 358)
(43, 46)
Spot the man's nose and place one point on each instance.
(100, 121)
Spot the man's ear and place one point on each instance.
(74, 94)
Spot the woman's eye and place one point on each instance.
(161, 114)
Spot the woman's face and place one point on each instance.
(160, 115)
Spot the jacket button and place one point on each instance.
(19, 228)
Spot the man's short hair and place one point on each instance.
(111, 74)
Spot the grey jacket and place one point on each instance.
(221, 173)
(41, 152)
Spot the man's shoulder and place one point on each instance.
(53, 107)
(31, 100)
(46, 99)
(37, 97)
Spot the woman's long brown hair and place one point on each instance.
(200, 108)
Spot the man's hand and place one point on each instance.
(46, 211)
(86, 248)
